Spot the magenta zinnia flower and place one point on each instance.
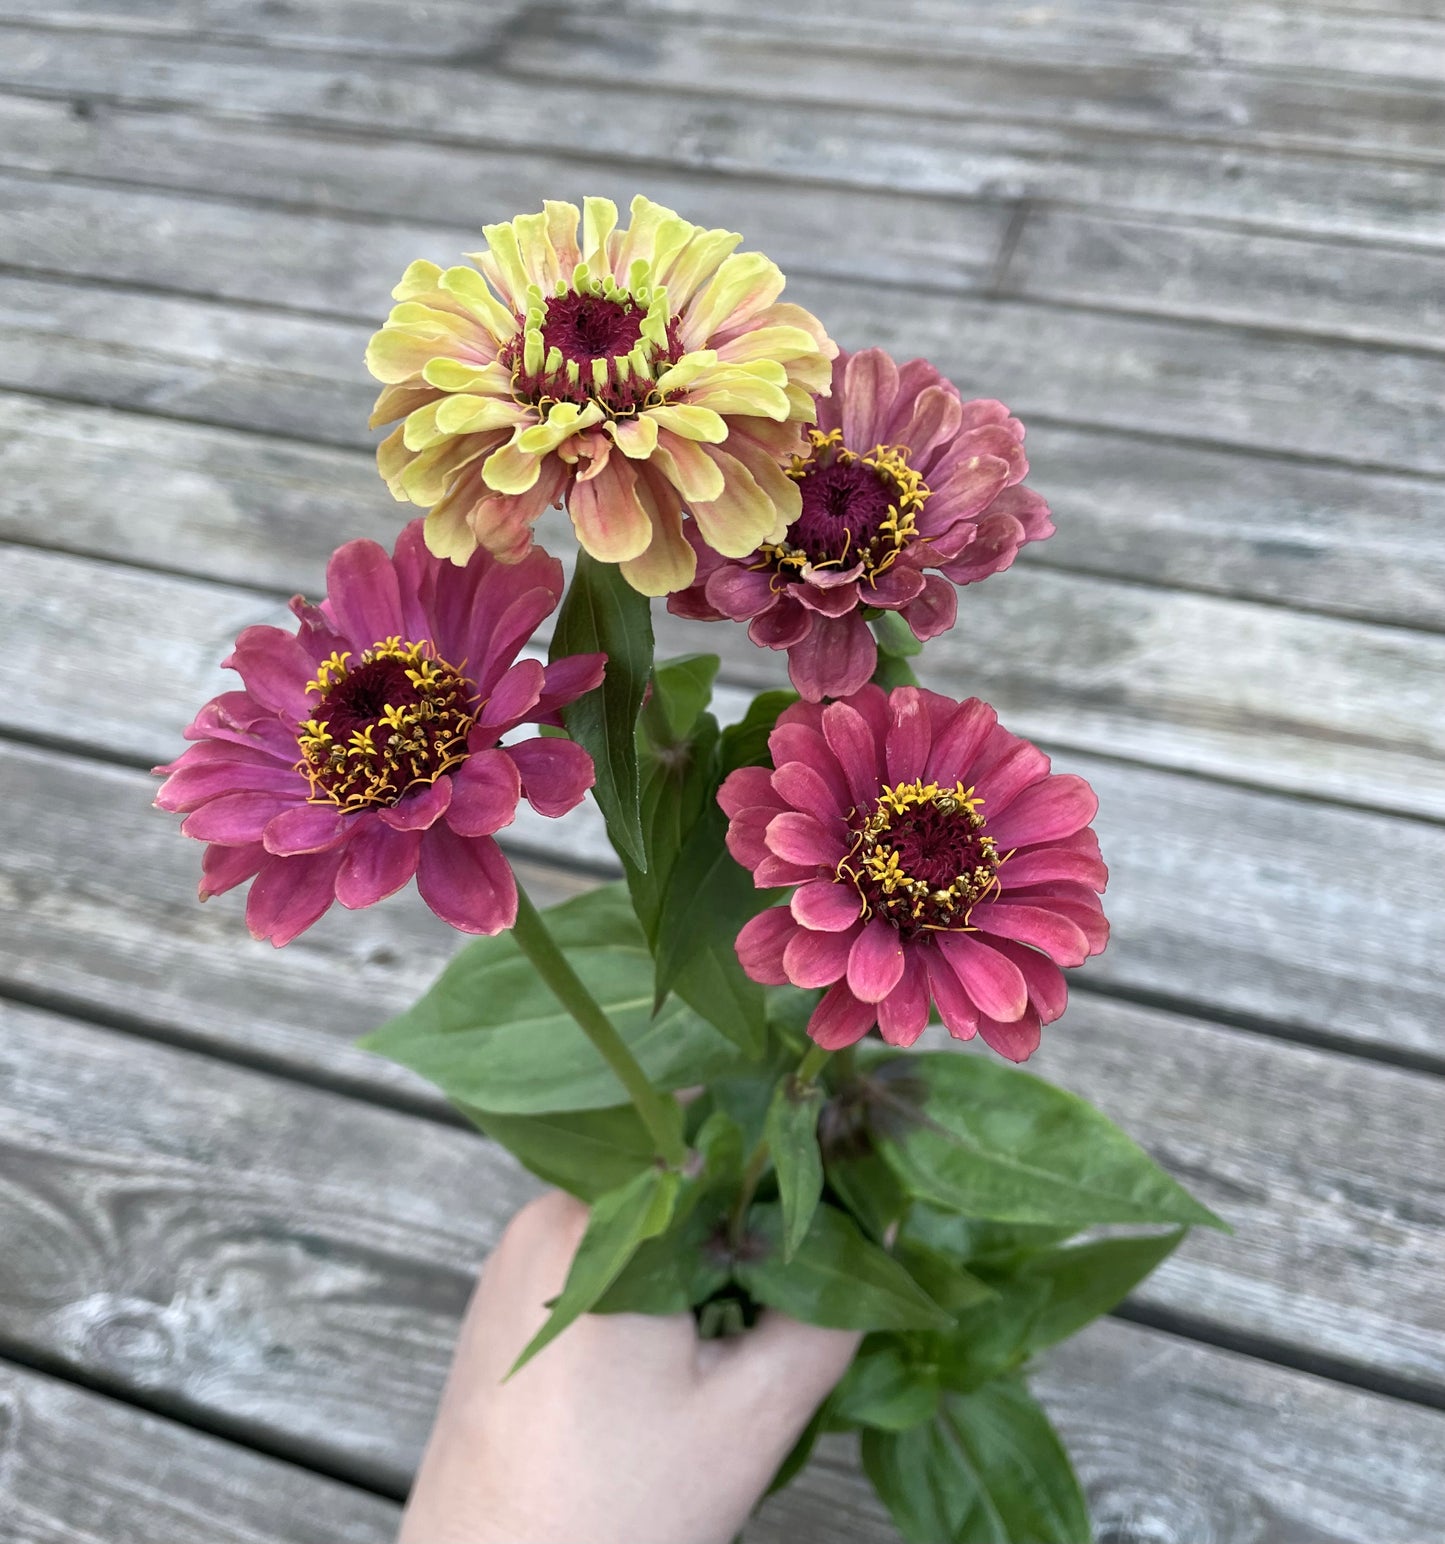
(937, 861)
(902, 476)
(363, 748)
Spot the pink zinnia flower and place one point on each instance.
(902, 476)
(937, 861)
(363, 748)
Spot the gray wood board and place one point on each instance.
(265, 511)
(730, 149)
(1325, 915)
(1347, 710)
(79, 1468)
(342, 264)
(285, 1260)
(300, 373)
(1321, 1160)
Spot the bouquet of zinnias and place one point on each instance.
(805, 888)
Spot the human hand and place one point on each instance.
(627, 1429)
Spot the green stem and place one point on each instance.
(811, 1065)
(536, 942)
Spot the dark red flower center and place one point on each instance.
(856, 508)
(921, 858)
(389, 719)
(594, 345)
(588, 327)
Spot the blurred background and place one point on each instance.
(1198, 247)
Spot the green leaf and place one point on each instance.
(895, 636)
(619, 1222)
(942, 1277)
(585, 1152)
(989, 1470)
(709, 898)
(682, 1267)
(869, 1190)
(892, 670)
(491, 1035)
(837, 1278)
(1048, 1296)
(985, 1244)
(883, 1389)
(791, 1130)
(745, 743)
(681, 690)
(993, 1142)
(602, 612)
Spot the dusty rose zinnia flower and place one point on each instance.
(363, 748)
(937, 860)
(901, 476)
(626, 372)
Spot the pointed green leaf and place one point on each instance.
(745, 743)
(619, 1222)
(996, 1143)
(585, 1152)
(490, 1034)
(709, 898)
(791, 1130)
(883, 1389)
(837, 1278)
(602, 612)
(681, 690)
(989, 1470)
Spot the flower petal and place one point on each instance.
(910, 735)
(805, 788)
(1017, 1040)
(834, 659)
(816, 959)
(841, 1018)
(955, 1006)
(875, 963)
(1060, 805)
(421, 808)
(556, 773)
(513, 698)
(466, 881)
(236, 818)
(827, 906)
(804, 839)
(1061, 939)
(852, 741)
(363, 596)
(761, 943)
(376, 862)
(305, 828)
(485, 791)
(903, 1014)
(995, 984)
(289, 894)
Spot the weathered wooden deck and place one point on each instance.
(1199, 247)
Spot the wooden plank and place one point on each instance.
(1270, 37)
(77, 1467)
(698, 81)
(266, 512)
(1157, 676)
(1179, 97)
(345, 265)
(301, 374)
(430, 180)
(1315, 918)
(266, 1253)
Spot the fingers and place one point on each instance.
(785, 1365)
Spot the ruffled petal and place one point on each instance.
(827, 906)
(466, 881)
(556, 773)
(816, 959)
(761, 943)
(485, 791)
(995, 984)
(841, 1019)
(289, 894)
(376, 862)
(876, 961)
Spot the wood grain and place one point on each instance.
(1156, 676)
(265, 511)
(76, 1467)
(285, 1259)
(394, 168)
(1323, 913)
(1332, 1257)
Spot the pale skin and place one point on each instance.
(627, 1429)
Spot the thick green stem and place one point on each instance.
(536, 942)
(811, 1065)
